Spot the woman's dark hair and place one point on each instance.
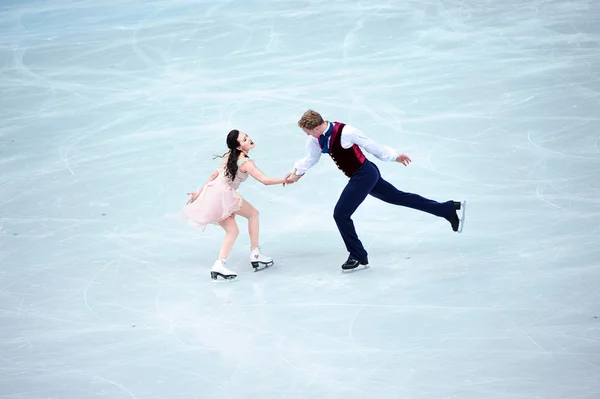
(232, 143)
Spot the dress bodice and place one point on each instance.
(240, 177)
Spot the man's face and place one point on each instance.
(316, 132)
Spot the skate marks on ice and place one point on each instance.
(93, 123)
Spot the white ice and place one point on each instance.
(112, 110)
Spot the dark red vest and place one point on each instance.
(347, 160)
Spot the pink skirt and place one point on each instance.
(217, 201)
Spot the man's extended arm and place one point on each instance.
(313, 154)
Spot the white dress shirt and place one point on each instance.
(350, 136)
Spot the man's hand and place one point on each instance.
(403, 159)
(292, 178)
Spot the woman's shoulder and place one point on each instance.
(243, 159)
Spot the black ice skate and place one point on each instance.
(260, 261)
(351, 264)
(456, 222)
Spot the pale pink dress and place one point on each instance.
(218, 200)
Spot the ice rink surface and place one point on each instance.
(112, 110)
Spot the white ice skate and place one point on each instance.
(219, 269)
(260, 261)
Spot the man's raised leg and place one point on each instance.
(386, 192)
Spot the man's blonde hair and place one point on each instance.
(310, 120)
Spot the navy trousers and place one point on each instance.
(367, 180)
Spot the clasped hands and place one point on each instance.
(292, 177)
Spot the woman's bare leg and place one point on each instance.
(250, 213)
(231, 233)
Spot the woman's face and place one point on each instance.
(245, 141)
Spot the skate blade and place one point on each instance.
(462, 216)
(356, 269)
(224, 277)
(259, 266)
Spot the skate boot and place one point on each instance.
(352, 264)
(219, 269)
(456, 222)
(259, 261)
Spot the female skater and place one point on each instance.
(218, 201)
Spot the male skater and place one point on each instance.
(343, 143)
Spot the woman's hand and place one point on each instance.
(194, 196)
